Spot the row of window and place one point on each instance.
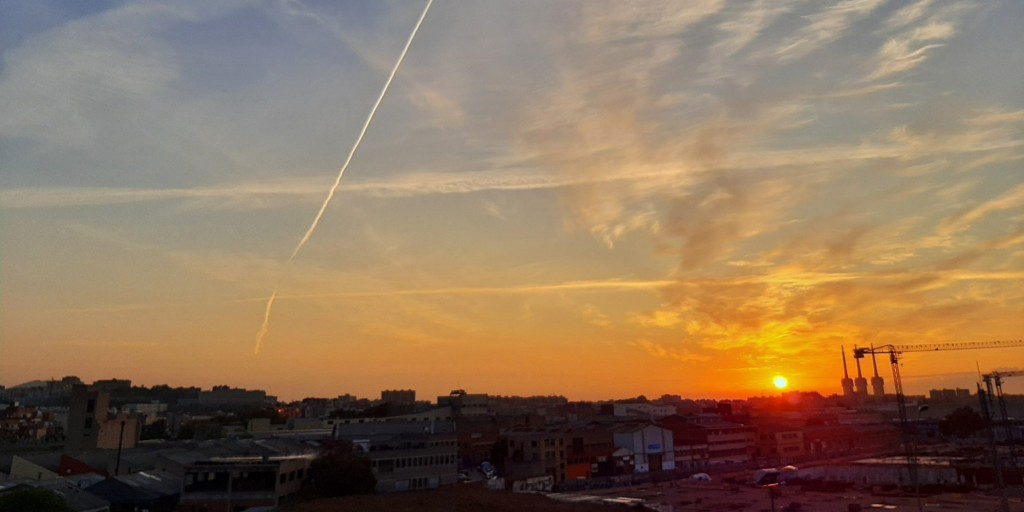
(388, 465)
(291, 475)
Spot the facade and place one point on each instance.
(841, 440)
(405, 455)
(652, 446)
(652, 411)
(230, 485)
(949, 395)
(534, 452)
(111, 385)
(465, 404)
(589, 452)
(121, 430)
(224, 395)
(399, 396)
(23, 468)
(91, 426)
(88, 410)
(779, 442)
(709, 440)
(476, 437)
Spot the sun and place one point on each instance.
(780, 382)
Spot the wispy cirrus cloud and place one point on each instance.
(824, 27)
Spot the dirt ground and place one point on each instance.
(715, 497)
(462, 498)
(664, 497)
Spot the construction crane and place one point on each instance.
(996, 378)
(894, 352)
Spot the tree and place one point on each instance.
(961, 423)
(338, 471)
(155, 430)
(32, 500)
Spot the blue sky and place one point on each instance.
(690, 196)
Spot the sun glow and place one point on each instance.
(780, 382)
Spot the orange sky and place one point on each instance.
(598, 200)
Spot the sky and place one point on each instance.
(598, 199)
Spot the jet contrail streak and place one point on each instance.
(266, 322)
(362, 133)
(341, 172)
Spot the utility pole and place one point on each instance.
(120, 443)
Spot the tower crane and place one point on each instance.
(894, 352)
(996, 378)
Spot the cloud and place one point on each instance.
(62, 80)
(661, 351)
(113, 344)
(912, 47)
(908, 14)
(658, 318)
(745, 26)
(824, 27)
(1012, 199)
(594, 316)
(611, 285)
(633, 21)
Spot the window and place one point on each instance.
(90, 406)
(88, 423)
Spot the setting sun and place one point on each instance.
(780, 382)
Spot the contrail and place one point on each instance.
(341, 172)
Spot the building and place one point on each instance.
(119, 431)
(781, 443)
(88, 409)
(405, 455)
(239, 483)
(228, 396)
(112, 385)
(646, 410)
(589, 451)
(725, 441)
(534, 452)
(836, 440)
(652, 447)
(465, 404)
(152, 410)
(152, 491)
(399, 396)
(949, 395)
(477, 436)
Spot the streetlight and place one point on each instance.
(772, 492)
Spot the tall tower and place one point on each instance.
(877, 382)
(847, 382)
(88, 410)
(861, 383)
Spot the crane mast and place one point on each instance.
(994, 388)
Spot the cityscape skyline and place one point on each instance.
(428, 393)
(591, 199)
